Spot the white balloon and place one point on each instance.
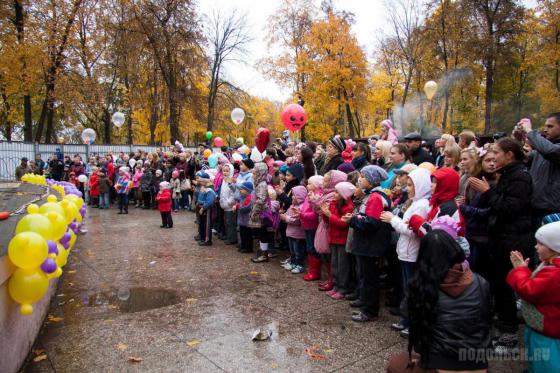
(430, 88)
(237, 115)
(132, 162)
(256, 156)
(82, 178)
(88, 136)
(118, 119)
(236, 157)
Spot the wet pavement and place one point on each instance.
(137, 298)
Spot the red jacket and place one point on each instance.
(338, 230)
(540, 292)
(163, 200)
(94, 185)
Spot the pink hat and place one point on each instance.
(345, 189)
(175, 174)
(447, 224)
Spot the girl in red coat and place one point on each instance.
(163, 199)
(94, 187)
(338, 233)
(540, 295)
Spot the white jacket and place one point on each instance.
(409, 243)
(227, 196)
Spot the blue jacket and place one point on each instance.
(241, 178)
(206, 199)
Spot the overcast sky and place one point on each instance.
(371, 22)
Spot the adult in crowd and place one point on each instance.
(56, 166)
(509, 218)
(441, 144)
(544, 167)
(418, 154)
(449, 311)
(382, 153)
(333, 159)
(41, 165)
(400, 156)
(23, 168)
(361, 155)
(452, 157)
(467, 139)
(388, 132)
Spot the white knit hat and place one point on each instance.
(549, 235)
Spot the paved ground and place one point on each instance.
(133, 291)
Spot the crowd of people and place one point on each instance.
(448, 229)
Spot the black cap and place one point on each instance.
(248, 163)
(413, 136)
(24, 159)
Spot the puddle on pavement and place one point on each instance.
(135, 299)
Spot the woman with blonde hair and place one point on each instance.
(446, 140)
(452, 157)
(382, 153)
(470, 166)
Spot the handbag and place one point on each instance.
(186, 185)
(269, 218)
(321, 242)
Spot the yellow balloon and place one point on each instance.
(28, 250)
(58, 223)
(72, 239)
(51, 205)
(70, 210)
(59, 189)
(79, 218)
(56, 273)
(76, 200)
(62, 257)
(430, 88)
(35, 222)
(27, 286)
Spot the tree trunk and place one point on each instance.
(106, 125)
(50, 124)
(27, 118)
(173, 113)
(445, 110)
(488, 99)
(129, 116)
(154, 110)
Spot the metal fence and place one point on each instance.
(12, 152)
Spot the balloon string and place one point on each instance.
(24, 207)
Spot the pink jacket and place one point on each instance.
(136, 178)
(294, 228)
(308, 217)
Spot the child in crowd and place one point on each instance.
(163, 200)
(540, 299)
(227, 201)
(205, 204)
(122, 187)
(260, 231)
(294, 231)
(72, 179)
(338, 233)
(185, 190)
(145, 185)
(94, 187)
(175, 185)
(156, 179)
(419, 192)
(104, 188)
(136, 191)
(321, 242)
(371, 241)
(309, 223)
(243, 207)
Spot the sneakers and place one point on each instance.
(505, 343)
(261, 258)
(285, 261)
(205, 243)
(296, 270)
(336, 295)
(398, 327)
(351, 296)
(288, 266)
(362, 317)
(404, 333)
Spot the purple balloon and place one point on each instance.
(52, 247)
(65, 238)
(48, 266)
(79, 194)
(66, 245)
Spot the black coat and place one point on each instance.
(420, 155)
(509, 217)
(332, 164)
(462, 323)
(360, 163)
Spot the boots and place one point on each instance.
(263, 257)
(314, 272)
(328, 285)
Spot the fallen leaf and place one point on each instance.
(191, 299)
(60, 295)
(193, 343)
(329, 351)
(311, 352)
(108, 321)
(55, 318)
(40, 358)
(89, 253)
(71, 271)
(274, 365)
(152, 262)
(253, 273)
(71, 283)
(38, 351)
(70, 300)
(121, 346)
(135, 359)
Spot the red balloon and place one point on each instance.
(262, 139)
(294, 117)
(218, 142)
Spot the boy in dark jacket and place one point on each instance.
(156, 179)
(104, 188)
(146, 186)
(163, 200)
(205, 203)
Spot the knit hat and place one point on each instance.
(549, 235)
(123, 169)
(159, 172)
(316, 180)
(338, 143)
(164, 185)
(346, 167)
(296, 170)
(175, 174)
(447, 224)
(283, 169)
(248, 163)
(248, 186)
(374, 174)
(345, 189)
(551, 218)
(203, 175)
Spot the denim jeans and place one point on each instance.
(123, 201)
(185, 200)
(104, 200)
(297, 251)
(309, 240)
(175, 203)
(407, 271)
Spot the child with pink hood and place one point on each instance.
(309, 222)
(294, 230)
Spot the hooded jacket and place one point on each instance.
(136, 178)
(146, 181)
(163, 199)
(338, 229)
(331, 164)
(94, 185)
(122, 184)
(409, 243)
(227, 195)
(360, 162)
(294, 228)
(443, 200)
(545, 171)
(241, 178)
(260, 195)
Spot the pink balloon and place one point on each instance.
(294, 117)
(218, 142)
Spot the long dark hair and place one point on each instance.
(365, 149)
(508, 144)
(438, 252)
(307, 162)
